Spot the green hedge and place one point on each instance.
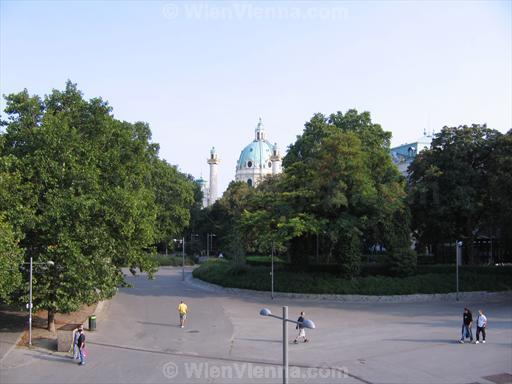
(172, 261)
(258, 278)
(263, 260)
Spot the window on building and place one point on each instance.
(249, 182)
(249, 164)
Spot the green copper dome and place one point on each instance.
(256, 154)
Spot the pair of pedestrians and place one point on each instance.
(79, 351)
(467, 325)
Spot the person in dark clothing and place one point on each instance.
(301, 329)
(81, 345)
(467, 322)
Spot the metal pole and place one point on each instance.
(30, 308)
(183, 261)
(272, 272)
(285, 345)
(457, 256)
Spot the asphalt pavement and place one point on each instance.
(139, 340)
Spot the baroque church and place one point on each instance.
(257, 160)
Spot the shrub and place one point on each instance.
(403, 262)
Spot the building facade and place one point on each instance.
(403, 155)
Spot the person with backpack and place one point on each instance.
(301, 329)
(81, 345)
(481, 324)
(467, 322)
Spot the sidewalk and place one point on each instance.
(12, 328)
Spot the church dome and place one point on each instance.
(256, 155)
(258, 159)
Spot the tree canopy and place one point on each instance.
(88, 192)
(460, 187)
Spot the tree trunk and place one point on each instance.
(51, 320)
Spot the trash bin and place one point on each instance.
(92, 323)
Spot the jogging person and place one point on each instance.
(481, 323)
(301, 329)
(467, 322)
(182, 311)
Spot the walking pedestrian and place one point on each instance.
(81, 345)
(481, 324)
(182, 310)
(467, 322)
(301, 329)
(76, 349)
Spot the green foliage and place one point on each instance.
(403, 261)
(498, 202)
(172, 260)
(338, 183)
(264, 260)
(86, 191)
(450, 194)
(174, 197)
(257, 278)
(10, 259)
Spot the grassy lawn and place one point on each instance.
(435, 279)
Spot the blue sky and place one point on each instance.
(202, 73)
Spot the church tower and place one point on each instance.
(213, 161)
(276, 160)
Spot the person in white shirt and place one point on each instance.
(481, 323)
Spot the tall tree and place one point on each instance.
(448, 185)
(338, 183)
(174, 197)
(90, 201)
(498, 202)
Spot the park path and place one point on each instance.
(138, 341)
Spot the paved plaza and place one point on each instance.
(226, 341)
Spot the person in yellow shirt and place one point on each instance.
(182, 310)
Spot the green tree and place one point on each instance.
(497, 203)
(448, 185)
(338, 183)
(91, 200)
(174, 197)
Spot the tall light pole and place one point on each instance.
(30, 304)
(272, 272)
(306, 323)
(209, 240)
(183, 259)
(182, 256)
(458, 255)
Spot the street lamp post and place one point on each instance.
(182, 257)
(306, 323)
(30, 304)
(209, 240)
(272, 272)
(458, 255)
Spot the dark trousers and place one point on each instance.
(478, 330)
(466, 332)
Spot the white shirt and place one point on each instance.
(481, 321)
